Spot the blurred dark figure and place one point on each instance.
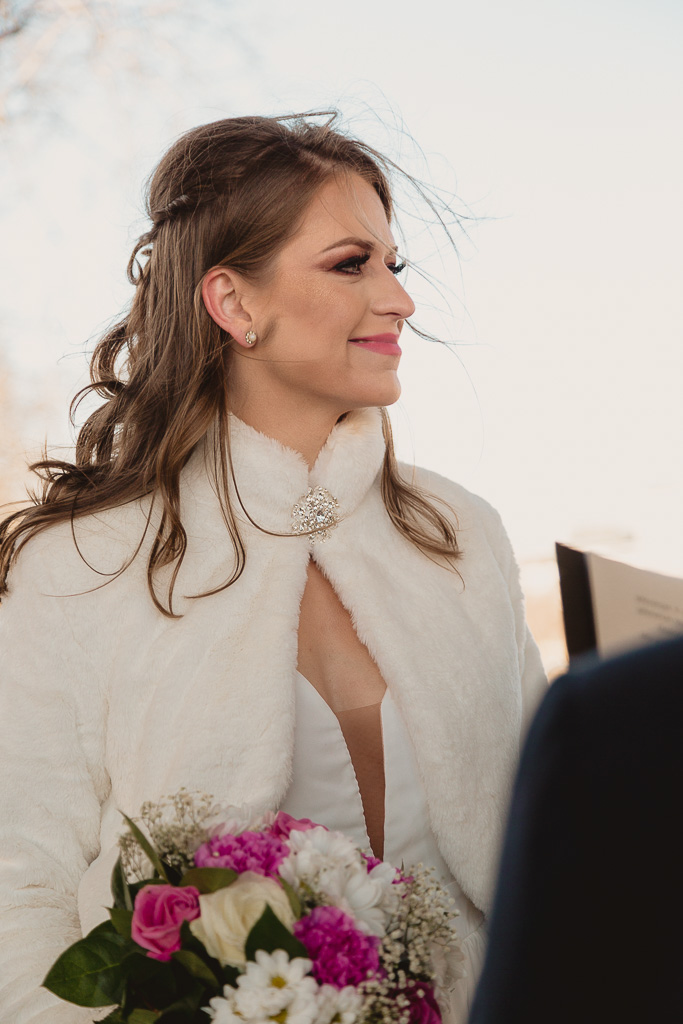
(587, 925)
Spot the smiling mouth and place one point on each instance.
(383, 344)
(390, 339)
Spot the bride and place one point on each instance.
(235, 587)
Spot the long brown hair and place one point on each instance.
(229, 193)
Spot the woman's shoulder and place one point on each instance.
(83, 552)
(93, 547)
(471, 510)
(479, 527)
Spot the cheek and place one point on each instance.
(314, 306)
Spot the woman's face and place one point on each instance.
(330, 313)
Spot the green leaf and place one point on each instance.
(115, 1017)
(269, 934)
(184, 1010)
(294, 901)
(144, 1016)
(172, 873)
(147, 848)
(190, 942)
(229, 976)
(209, 879)
(122, 920)
(149, 982)
(195, 966)
(89, 972)
(119, 887)
(142, 969)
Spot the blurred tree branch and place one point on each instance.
(14, 17)
(45, 45)
(90, 92)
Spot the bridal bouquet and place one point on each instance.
(240, 918)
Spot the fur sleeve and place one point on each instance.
(51, 788)
(532, 674)
(534, 682)
(474, 511)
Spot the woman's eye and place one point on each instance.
(353, 264)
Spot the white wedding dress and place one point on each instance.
(325, 789)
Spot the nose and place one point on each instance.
(391, 298)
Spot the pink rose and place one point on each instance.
(284, 823)
(158, 915)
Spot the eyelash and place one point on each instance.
(354, 263)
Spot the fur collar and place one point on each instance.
(272, 478)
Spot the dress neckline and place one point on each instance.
(361, 730)
(378, 703)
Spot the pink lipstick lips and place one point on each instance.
(384, 344)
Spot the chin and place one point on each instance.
(371, 394)
(389, 395)
(382, 394)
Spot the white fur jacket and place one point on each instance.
(106, 703)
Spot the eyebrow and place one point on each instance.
(363, 243)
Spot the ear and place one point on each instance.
(222, 293)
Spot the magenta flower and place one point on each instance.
(372, 862)
(284, 824)
(424, 1008)
(260, 852)
(341, 954)
(158, 915)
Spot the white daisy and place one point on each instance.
(330, 864)
(338, 1005)
(317, 854)
(274, 984)
(369, 898)
(221, 1011)
(385, 874)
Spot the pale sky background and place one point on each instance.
(558, 124)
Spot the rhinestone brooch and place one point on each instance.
(317, 511)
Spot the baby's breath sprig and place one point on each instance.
(135, 864)
(176, 825)
(309, 896)
(381, 1004)
(423, 920)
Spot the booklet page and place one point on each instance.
(632, 606)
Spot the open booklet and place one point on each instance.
(609, 606)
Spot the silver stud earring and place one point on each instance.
(250, 337)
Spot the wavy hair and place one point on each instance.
(229, 193)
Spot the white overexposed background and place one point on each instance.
(556, 126)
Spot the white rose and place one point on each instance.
(227, 916)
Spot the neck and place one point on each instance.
(304, 428)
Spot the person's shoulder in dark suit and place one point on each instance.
(588, 919)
